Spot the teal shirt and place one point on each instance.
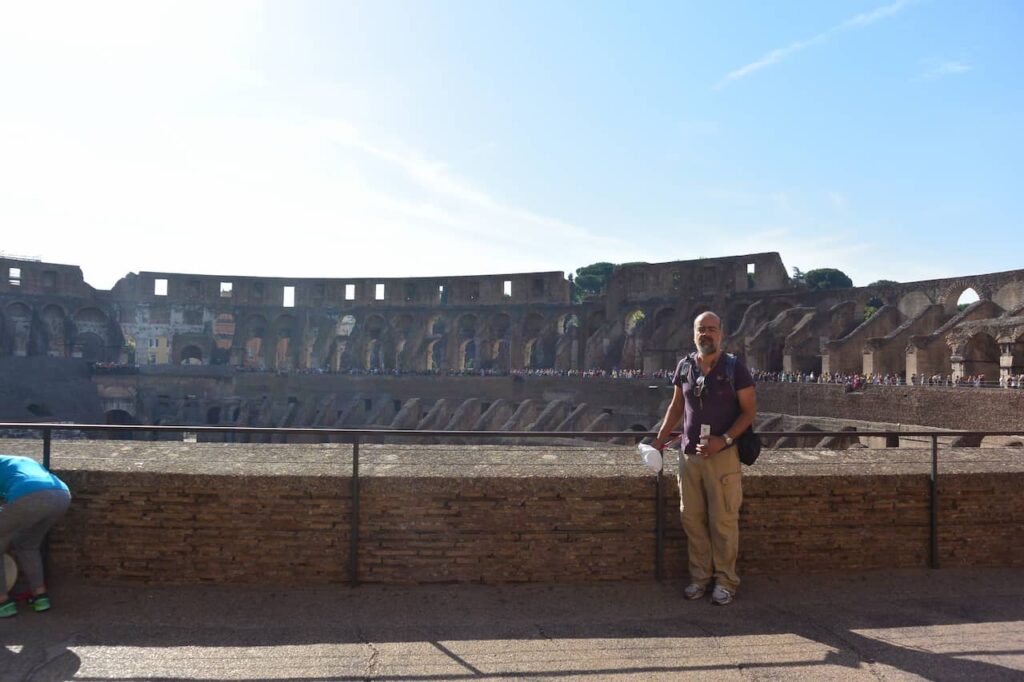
(20, 476)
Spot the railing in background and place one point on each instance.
(355, 436)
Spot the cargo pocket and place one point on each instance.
(732, 492)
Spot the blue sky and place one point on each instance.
(347, 139)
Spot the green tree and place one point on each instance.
(883, 283)
(591, 279)
(827, 278)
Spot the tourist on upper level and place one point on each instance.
(714, 395)
(34, 500)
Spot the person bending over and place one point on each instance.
(34, 499)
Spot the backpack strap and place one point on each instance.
(730, 370)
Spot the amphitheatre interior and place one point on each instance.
(493, 352)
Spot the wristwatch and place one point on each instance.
(728, 440)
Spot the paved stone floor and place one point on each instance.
(940, 625)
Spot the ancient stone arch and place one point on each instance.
(191, 355)
(19, 318)
(951, 295)
(54, 330)
(981, 356)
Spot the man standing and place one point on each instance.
(714, 394)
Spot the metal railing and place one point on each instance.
(356, 436)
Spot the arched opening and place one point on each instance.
(120, 418)
(981, 357)
(89, 347)
(532, 354)
(252, 353)
(191, 355)
(375, 326)
(20, 322)
(468, 353)
(255, 333)
(282, 354)
(435, 355)
(965, 299)
(663, 319)
(54, 322)
(375, 355)
(634, 322)
(437, 326)
(532, 325)
(500, 356)
(568, 324)
(345, 326)
(223, 337)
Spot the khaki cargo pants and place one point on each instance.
(710, 494)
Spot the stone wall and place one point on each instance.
(273, 514)
(965, 408)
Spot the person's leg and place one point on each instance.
(695, 518)
(724, 490)
(42, 509)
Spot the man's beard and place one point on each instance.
(706, 346)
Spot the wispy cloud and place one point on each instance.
(950, 68)
(779, 54)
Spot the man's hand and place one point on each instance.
(714, 444)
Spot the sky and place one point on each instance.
(403, 139)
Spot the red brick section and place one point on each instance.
(178, 528)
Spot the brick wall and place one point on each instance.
(947, 408)
(592, 524)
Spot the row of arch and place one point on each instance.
(52, 330)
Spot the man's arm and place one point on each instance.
(672, 416)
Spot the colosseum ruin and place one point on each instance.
(467, 352)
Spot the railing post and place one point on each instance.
(46, 448)
(353, 552)
(659, 530)
(933, 543)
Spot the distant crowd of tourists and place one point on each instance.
(857, 381)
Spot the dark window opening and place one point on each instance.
(410, 292)
(537, 287)
(397, 405)
(368, 404)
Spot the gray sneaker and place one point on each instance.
(694, 591)
(721, 596)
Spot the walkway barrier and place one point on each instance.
(357, 436)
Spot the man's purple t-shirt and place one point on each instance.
(718, 406)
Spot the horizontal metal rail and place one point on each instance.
(413, 433)
(355, 436)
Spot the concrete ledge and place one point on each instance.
(175, 513)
